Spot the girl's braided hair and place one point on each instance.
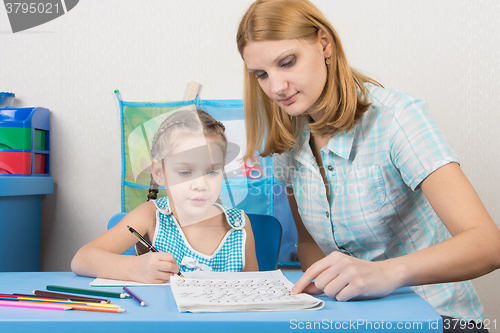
(189, 122)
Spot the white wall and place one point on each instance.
(444, 51)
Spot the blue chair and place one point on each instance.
(114, 221)
(267, 234)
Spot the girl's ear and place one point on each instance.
(325, 42)
(157, 172)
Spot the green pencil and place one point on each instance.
(88, 291)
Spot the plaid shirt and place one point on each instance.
(376, 209)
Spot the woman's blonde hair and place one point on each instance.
(296, 19)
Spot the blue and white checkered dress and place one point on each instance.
(376, 209)
(229, 256)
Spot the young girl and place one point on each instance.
(376, 191)
(188, 228)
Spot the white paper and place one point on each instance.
(100, 282)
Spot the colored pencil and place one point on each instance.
(87, 291)
(48, 294)
(59, 306)
(134, 296)
(47, 298)
(35, 305)
(97, 308)
(58, 301)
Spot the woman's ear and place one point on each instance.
(157, 172)
(326, 43)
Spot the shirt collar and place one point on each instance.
(303, 153)
(340, 144)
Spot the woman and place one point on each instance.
(376, 191)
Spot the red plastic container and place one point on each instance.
(39, 166)
(15, 163)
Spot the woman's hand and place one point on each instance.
(156, 267)
(343, 277)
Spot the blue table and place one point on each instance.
(401, 311)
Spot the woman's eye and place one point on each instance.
(288, 61)
(260, 75)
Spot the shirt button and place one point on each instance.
(330, 168)
(344, 251)
(327, 214)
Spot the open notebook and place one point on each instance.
(245, 291)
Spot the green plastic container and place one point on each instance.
(19, 138)
(15, 138)
(40, 139)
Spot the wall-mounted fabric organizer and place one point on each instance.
(255, 192)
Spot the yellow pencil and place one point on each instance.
(59, 306)
(52, 300)
(96, 308)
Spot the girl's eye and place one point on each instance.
(213, 172)
(185, 173)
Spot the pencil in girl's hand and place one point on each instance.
(144, 242)
(88, 291)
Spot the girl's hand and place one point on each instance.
(343, 277)
(156, 267)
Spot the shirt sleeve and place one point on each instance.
(418, 146)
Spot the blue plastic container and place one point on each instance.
(20, 222)
(25, 117)
(6, 99)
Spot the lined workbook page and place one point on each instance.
(244, 291)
